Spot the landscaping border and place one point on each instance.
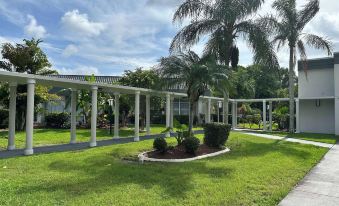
(142, 157)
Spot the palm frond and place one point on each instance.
(191, 34)
(286, 9)
(192, 9)
(303, 56)
(319, 43)
(307, 13)
(262, 48)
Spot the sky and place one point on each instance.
(106, 37)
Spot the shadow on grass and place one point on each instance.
(99, 173)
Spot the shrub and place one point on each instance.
(160, 144)
(57, 120)
(216, 135)
(191, 144)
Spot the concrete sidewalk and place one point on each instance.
(268, 136)
(320, 186)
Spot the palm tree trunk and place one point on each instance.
(191, 119)
(225, 108)
(291, 88)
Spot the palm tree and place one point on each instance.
(197, 74)
(288, 27)
(224, 21)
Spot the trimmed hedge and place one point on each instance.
(216, 134)
(191, 144)
(160, 144)
(57, 120)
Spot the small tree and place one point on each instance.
(197, 74)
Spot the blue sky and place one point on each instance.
(106, 37)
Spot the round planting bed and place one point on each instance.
(154, 156)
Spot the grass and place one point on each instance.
(256, 126)
(257, 171)
(62, 136)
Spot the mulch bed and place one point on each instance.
(178, 152)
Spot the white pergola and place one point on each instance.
(30, 80)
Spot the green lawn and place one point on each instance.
(325, 138)
(256, 126)
(62, 136)
(257, 171)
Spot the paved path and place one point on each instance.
(78, 146)
(268, 136)
(320, 186)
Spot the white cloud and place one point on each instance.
(82, 70)
(33, 29)
(75, 22)
(70, 50)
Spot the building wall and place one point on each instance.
(317, 119)
(316, 83)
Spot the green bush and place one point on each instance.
(57, 120)
(160, 144)
(191, 144)
(216, 135)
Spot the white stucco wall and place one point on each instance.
(319, 83)
(336, 94)
(317, 119)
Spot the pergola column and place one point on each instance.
(225, 110)
(270, 115)
(74, 94)
(297, 126)
(116, 115)
(234, 115)
(137, 116)
(29, 117)
(218, 111)
(11, 117)
(148, 114)
(264, 114)
(168, 113)
(94, 113)
(172, 112)
(208, 112)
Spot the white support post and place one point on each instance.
(297, 126)
(172, 112)
(30, 117)
(264, 114)
(168, 113)
(74, 95)
(11, 117)
(94, 113)
(148, 114)
(225, 110)
(116, 115)
(218, 112)
(270, 115)
(208, 114)
(137, 116)
(234, 116)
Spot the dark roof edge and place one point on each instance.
(318, 63)
(336, 57)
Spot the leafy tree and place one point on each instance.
(26, 58)
(143, 79)
(197, 74)
(288, 28)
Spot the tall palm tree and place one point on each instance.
(197, 74)
(288, 28)
(223, 22)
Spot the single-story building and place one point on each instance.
(318, 95)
